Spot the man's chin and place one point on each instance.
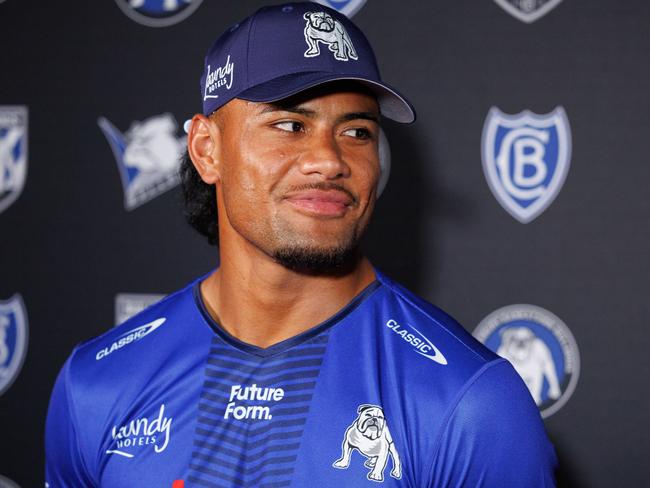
(318, 261)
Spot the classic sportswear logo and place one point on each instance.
(141, 432)
(422, 346)
(222, 76)
(252, 393)
(130, 337)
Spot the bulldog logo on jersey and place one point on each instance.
(322, 27)
(13, 340)
(346, 7)
(527, 10)
(13, 153)
(540, 347)
(526, 159)
(148, 157)
(369, 435)
(158, 13)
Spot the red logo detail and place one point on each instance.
(178, 484)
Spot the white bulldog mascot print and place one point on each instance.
(322, 27)
(369, 435)
(532, 359)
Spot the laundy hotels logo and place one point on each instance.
(158, 13)
(526, 159)
(146, 431)
(540, 347)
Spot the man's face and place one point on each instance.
(298, 178)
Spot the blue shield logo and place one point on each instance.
(13, 153)
(158, 13)
(527, 10)
(346, 7)
(13, 340)
(540, 347)
(147, 155)
(526, 159)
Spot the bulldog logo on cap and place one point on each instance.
(322, 27)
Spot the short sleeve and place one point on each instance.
(494, 436)
(64, 466)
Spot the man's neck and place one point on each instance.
(261, 302)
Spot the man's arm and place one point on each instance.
(64, 467)
(494, 436)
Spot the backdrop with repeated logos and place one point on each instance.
(518, 201)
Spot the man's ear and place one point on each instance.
(204, 148)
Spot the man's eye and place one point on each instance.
(289, 126)
(358, 133)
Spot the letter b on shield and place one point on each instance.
(526, 159)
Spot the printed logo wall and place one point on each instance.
(158, 13)
(13, 340)
(346, 7)
(528, 10)
(13, 153)
(6, 482)
(526, 159)
(147, 155)
(540, 347)
(129, 304)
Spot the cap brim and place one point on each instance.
(391, 103)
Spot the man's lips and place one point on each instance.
(327, 203)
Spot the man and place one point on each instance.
(295, 362)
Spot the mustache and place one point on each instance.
(324, 186)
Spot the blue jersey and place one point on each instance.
(389, 390)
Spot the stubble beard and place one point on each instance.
(306, 257)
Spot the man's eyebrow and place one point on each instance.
(296, 109)
(278, 107)
(361, 115)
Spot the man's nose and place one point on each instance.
(324, 156)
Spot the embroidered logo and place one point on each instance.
(323, 28)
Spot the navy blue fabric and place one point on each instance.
(264, 58)
(414, 399)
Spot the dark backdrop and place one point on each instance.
(69, 246)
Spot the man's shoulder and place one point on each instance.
(146, 322)
(130, 353)
(427, 327)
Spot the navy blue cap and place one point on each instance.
(282, 50)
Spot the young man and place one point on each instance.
(295, 363)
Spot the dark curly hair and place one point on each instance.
(200, 201)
